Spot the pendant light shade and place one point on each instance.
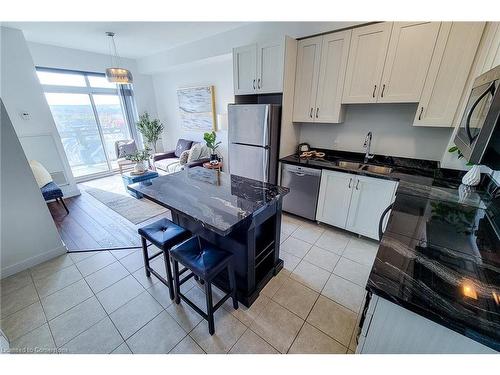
(115, 74)
(119, 75)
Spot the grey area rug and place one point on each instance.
(132, 209)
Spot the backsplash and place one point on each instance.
(392, 128)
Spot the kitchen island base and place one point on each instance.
(255, 245)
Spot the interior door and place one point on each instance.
(334, 54)
(370, 197)
(334, 198)
(245, 69)
(366, 63)
(306, 79)
(408, 60)
(270, 61)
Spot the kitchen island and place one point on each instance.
(237, 214)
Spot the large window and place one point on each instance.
(89, 116)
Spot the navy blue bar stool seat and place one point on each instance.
(205, 261)
(164, 234)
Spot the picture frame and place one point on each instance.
(197, 108)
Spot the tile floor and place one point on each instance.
(103, 303)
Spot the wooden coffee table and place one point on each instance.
(218, 166)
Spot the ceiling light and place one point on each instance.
(115, 74)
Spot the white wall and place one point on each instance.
(68, 58)
(28, 233)
(216, 72)
(22, 92)
(391, 125)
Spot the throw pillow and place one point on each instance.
(42, 177)
(184, 157)
(125, 149)
(194, 153)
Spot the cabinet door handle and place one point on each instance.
(350, 181)
(383, 89)
(357, 183)
(374, 89)
(258, 83)
(317, 111)
(311, 112)
(253, 84)
(420, 114)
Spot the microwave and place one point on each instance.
(478, 135)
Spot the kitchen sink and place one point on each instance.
(376, 169)
(349, 164)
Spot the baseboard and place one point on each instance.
(33, 261)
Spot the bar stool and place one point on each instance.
(205, 261)
(164, 234)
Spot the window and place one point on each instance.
(89, 116)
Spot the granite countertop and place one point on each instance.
(218, 200)
(440, 254)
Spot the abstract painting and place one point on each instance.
(197, 108)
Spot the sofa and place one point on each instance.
(175, 160)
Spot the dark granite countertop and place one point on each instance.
(440, 254)
(218, 200)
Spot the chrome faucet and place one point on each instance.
(367, 145)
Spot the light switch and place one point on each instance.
(25, 116)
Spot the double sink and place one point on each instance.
(378, 169)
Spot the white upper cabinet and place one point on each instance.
(366, 63)
(258, 68)
(334, 53)
(319, 78)
(407, 62)
(245, 69)
(270, 61)
(370, 197)
(452, 60)
(306, 79)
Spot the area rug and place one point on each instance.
(132, 209)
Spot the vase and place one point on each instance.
(214, 159)
(139, 167)
(473, 177)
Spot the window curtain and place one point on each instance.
(126, 94)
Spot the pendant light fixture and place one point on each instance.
(115, 74)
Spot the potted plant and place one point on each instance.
(210, 139)
(150, 129)
(140, 157)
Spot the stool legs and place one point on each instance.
(210, 308)
(232, 285)
(177, 285)
(166, 259)
(145, 255)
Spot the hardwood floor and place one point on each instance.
(92, 225)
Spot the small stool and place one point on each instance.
(205, 261)
(164, 234)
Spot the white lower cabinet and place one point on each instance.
(353, 202)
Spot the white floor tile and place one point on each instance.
(95, 263)
(38, 341)
(296, 297)
(119, 293)
(251, 343)
(64, 299)
(17, 300)
(334, 240)
(312, 341)
(106, 276)
(352, 271)
(308, 233)
(322, 258)
(160, 335)
(136, 313)
(344, 292)
(57, 281)
(310, 275)
(362, 251)
(23, 321)
(295, 247)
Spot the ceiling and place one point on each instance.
(133, 39)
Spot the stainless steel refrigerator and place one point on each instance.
(254, 140)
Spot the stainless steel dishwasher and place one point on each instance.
(304, 189)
